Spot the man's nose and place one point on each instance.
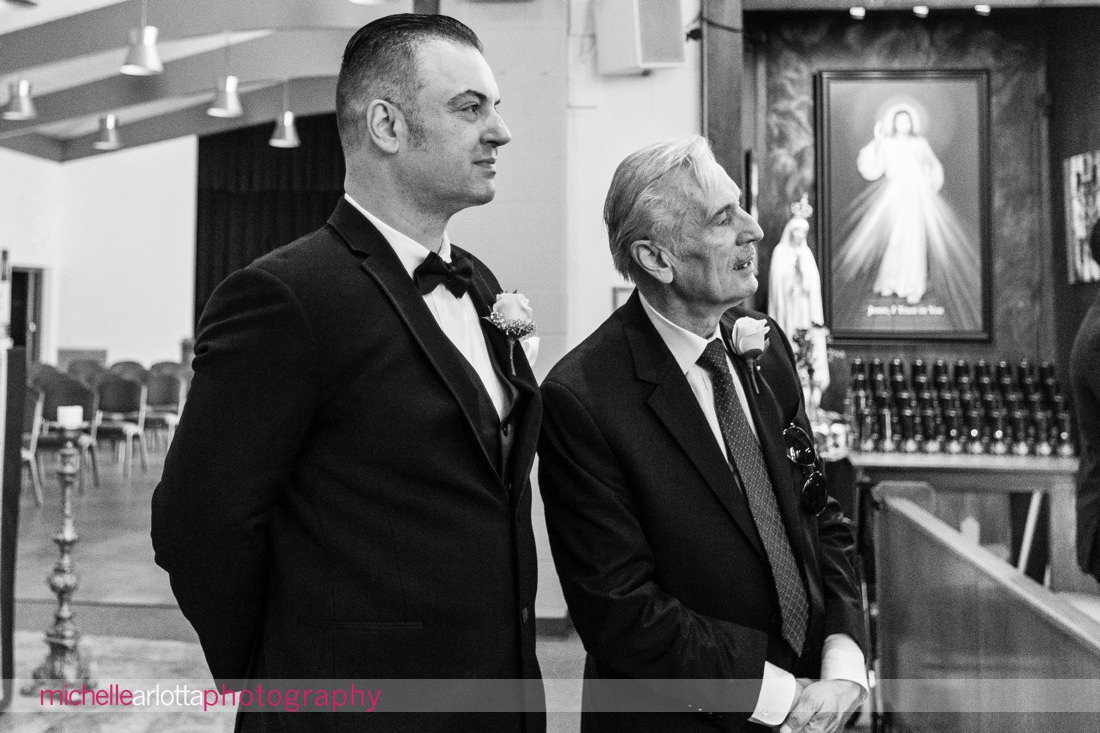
(498, 133)
(752, 232)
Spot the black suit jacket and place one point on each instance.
(662, 567)
(329, 507)
(1085, 381)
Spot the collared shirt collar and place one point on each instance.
(686, 347)
(409, 251)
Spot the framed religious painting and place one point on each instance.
(903, 193)
(1082, 184)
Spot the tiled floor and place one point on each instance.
(134, 632)
(143, 664)
(133, 629)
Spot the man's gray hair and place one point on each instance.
(647, 198)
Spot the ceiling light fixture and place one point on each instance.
(983, 9)
(108, 138)
(921, 11)
(143, 58)
(20, 106)
(227, 102)
(285, 134)
(858, 12)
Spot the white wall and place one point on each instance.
(115, 236)
(522, 234)
(544, 233)
(30, 189)
(610, 117)
(126, 233)
(116, 232)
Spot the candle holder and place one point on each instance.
(64, 664)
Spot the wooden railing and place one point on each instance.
(965, 642)
(983, 486)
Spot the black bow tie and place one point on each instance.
(454, 275)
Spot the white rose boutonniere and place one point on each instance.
(512, 314)
(750, 340)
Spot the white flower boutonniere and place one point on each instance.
(750, 340)
(512, 314)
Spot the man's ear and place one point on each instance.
(652, 260)
(385, 124)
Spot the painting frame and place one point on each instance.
(1082, 209)
(903, 225)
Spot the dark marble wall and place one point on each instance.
(1074, 81)
(791, 48)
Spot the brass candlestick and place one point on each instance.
(64, 664)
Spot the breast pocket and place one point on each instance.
(391, 649)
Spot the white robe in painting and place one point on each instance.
(902, 224)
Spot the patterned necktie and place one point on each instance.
(749, 462)
(454, 275)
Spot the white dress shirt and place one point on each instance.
(456, 316)
(842, 659)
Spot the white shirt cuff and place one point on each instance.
(776, 696)
(842, 659)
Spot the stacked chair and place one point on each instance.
(32, 426)
(120, 416)
(86, 370)
(126, 404)
(164, 398)
(55, 389)
(131, 370)
(37, 370)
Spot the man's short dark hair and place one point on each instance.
(380, 63)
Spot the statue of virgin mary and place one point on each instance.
(794, 293)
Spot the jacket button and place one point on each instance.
(524, 614)
(505, 429)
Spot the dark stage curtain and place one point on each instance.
(254, 198)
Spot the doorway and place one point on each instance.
(26, 309)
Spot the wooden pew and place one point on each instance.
(981, 486)
(968, 643)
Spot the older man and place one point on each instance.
(347, 496)
(697, 548)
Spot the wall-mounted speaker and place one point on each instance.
(635, 36)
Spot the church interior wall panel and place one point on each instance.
(794, 47)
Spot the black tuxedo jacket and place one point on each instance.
(330, 507)
(663, 570)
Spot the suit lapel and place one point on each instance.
(495, 340)
(383, 266)
(675, 405)
(526, 409)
